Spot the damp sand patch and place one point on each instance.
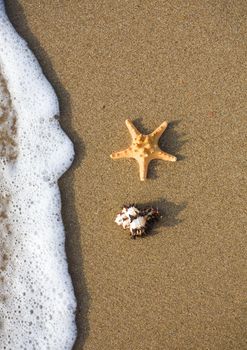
(8, 146)
(8, 154)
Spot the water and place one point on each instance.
(37, 303)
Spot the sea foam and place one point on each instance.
(37, 303)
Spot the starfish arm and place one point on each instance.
(132, 129)
(122, 154)
(164, 156)
(143, 168)
(159, 131)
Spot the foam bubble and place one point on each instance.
(37, 303)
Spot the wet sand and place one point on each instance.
(184, 287)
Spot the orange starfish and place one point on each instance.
(144, 148)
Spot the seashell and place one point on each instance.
(136, 220)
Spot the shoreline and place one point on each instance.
(184, 286)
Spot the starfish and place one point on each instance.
(144, 148)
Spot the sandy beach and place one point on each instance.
(184, 286)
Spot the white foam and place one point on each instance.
(37, 303)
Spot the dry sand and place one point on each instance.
(185, 62)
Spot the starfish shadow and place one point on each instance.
(169, 212)
(66, 183)
(138, 122)
(172, 140)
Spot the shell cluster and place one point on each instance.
(136, 220)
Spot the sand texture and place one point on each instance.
(184, 287)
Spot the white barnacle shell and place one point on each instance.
(138, 224)
(119, 219)
(132, 211)
(125, 216)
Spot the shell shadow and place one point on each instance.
(169, 212)
(66, 183)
